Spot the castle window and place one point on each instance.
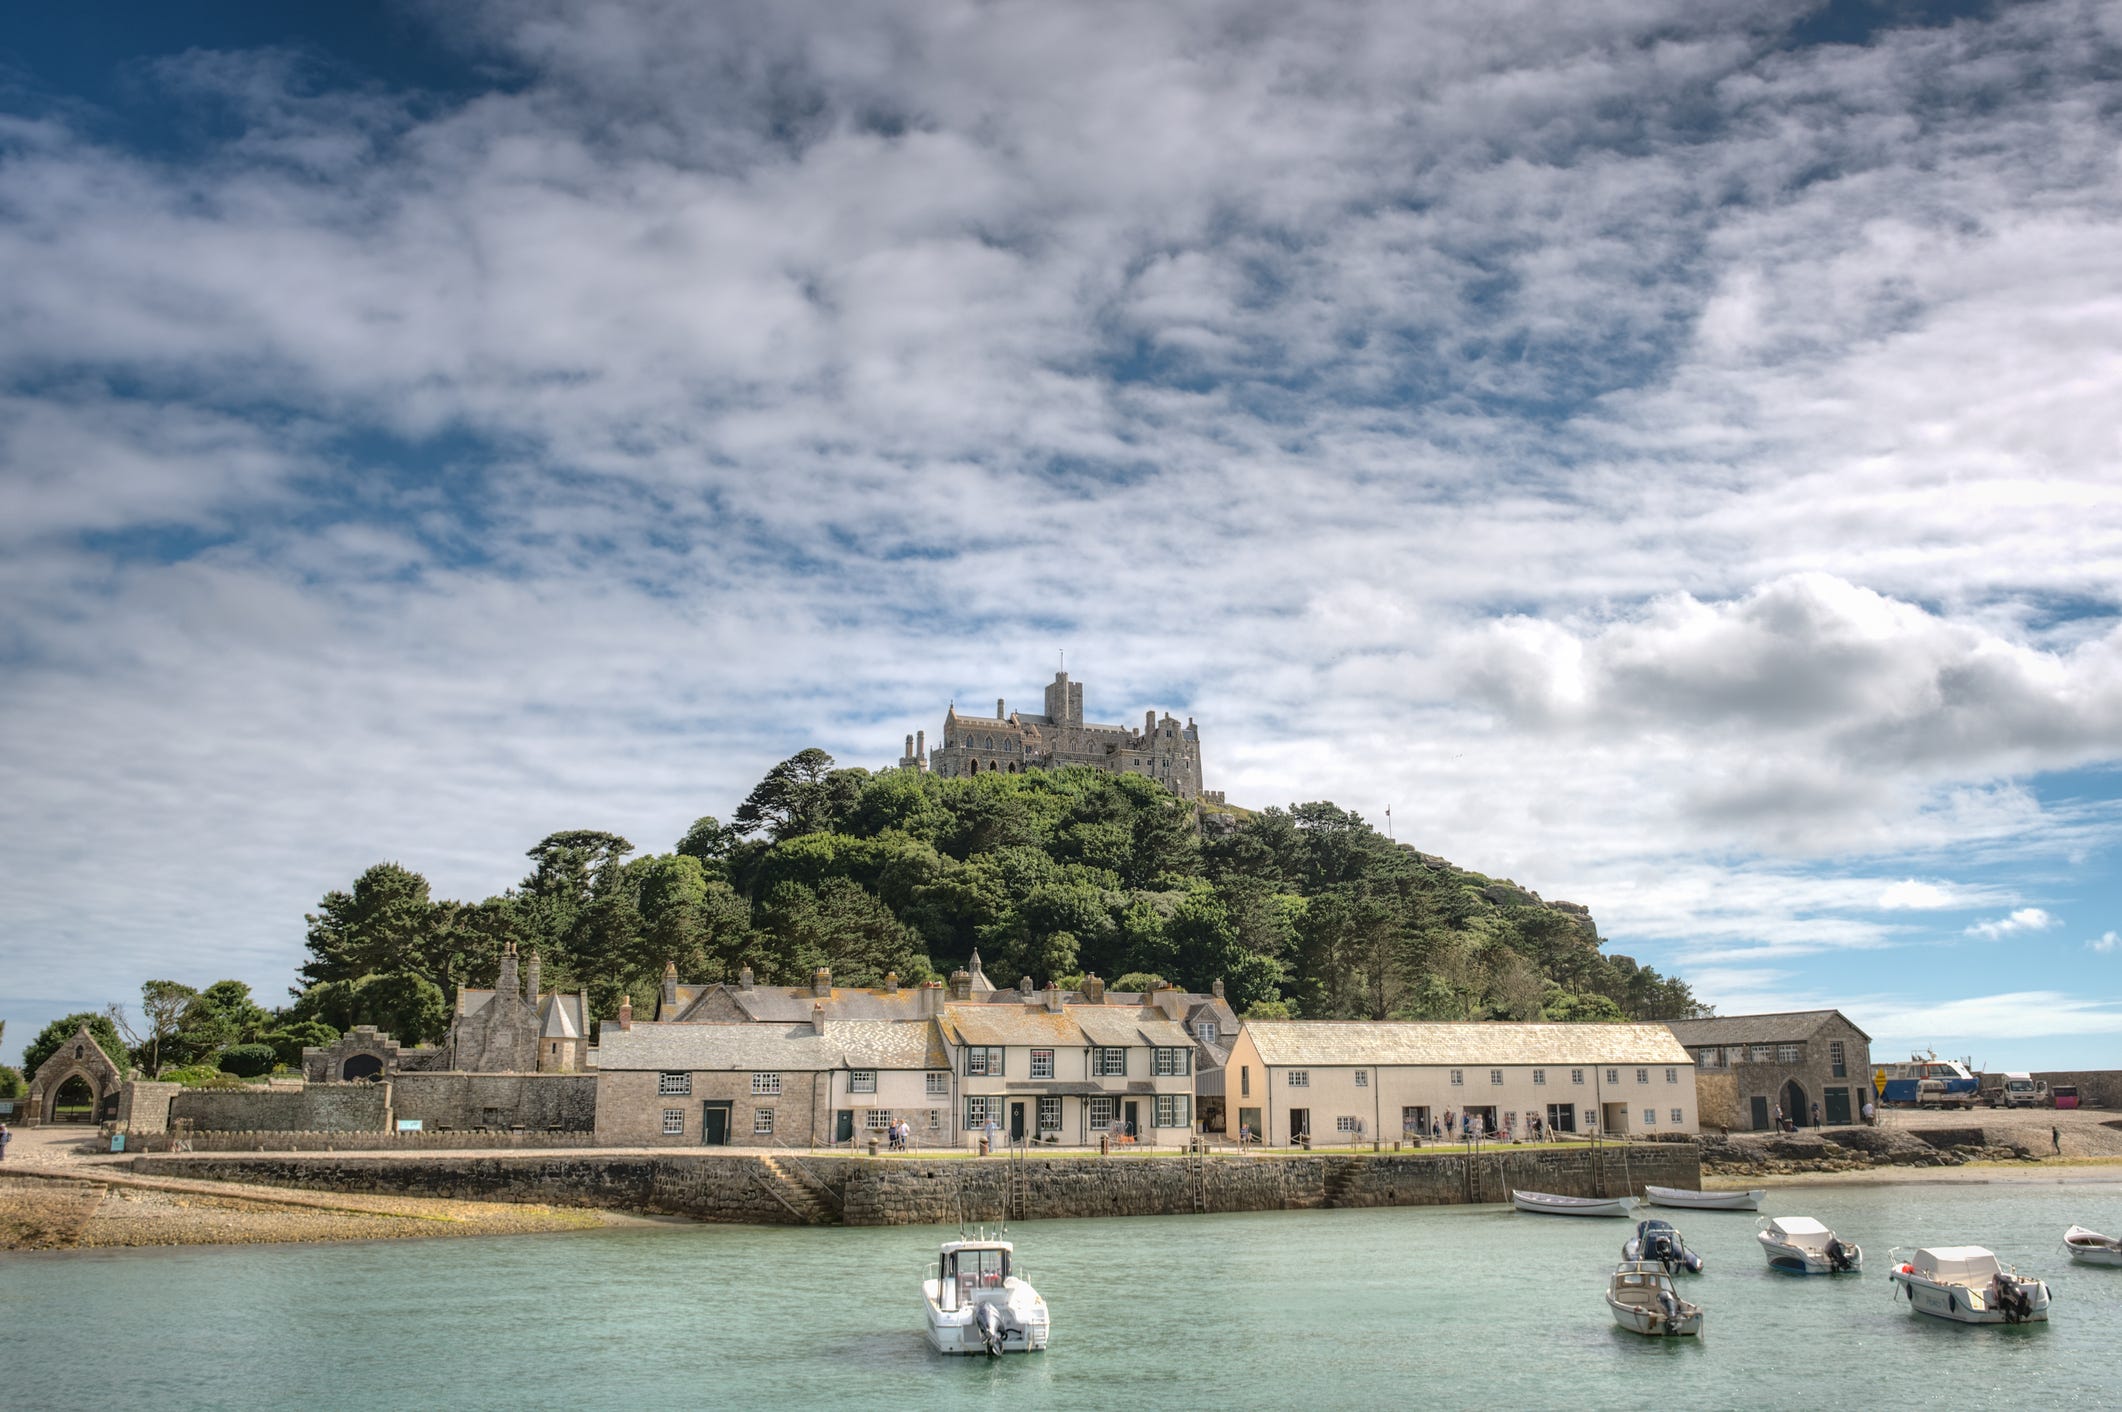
(674, 1122)
(674, 1085)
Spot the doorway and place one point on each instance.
(844, 1125)
(1415, 1120)
(75, 1102)
(1249, 1125)
(1561, 1117)
(1794, 1104)
(361, 1066)
(714, 1124)
(1613, 1119)
(1760, 1114)
(1300, 1124)
(1132, 1111)
(1016, 1120)
(1837, 1105)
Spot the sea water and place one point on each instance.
(1431, 1307)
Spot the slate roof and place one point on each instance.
(1328, 1043)
(1792, 1025)
(1105, 1025)
(563, 1017)
(792, 1003)
(873, 1044)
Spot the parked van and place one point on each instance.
(2016, 1091)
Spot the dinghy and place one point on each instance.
(1704, 1200)
(2091, 1248)
(1658, 1242)
(1964, 1283)
(1642, 1299)
(1548, 1204)
(1799, 1245)
(976, 1304)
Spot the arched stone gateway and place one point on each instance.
(73, 1101)
(1793, 1100)
(77, 1084)
(361, 1066)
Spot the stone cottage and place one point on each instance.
(1751, 1065)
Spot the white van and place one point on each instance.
(2017, 1091)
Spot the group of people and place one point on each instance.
(1450, 1125)
(899, 1136)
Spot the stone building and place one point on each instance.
(77, 1083)
(516, 1028)
(1356, 1081)
(1750, 1065)
(1163, 750)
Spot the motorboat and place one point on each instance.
(1704, 1200)
(1657, 1241)
(1643, 1300)
(1802, 1246)
(2091, 1248)
(976, 1304)
(1965, 1283)
(1548, 1204)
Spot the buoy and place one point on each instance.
(1908, 1269)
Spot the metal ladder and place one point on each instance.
(1020, 1193)
(1197, 1173)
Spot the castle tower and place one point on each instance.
(1064, 701)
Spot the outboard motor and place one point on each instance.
(988, 1319)
(1839, 1258)
(1671, 1306)
(2005, 1293)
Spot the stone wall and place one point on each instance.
(1717, 1102)
(369, 1142)
(879, 1192)
(143, 1105)
(557, 1102)
(356, 1107)
(2098, 1088)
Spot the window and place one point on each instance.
(1838, 1058)
(678, 1085)
(1172, 1111)
(1576, 1076)
(1042, 1063)
(1539, 1076)
(1111, 1063)
(862, 1081)
(1049, 1114)
(976, 1111)
(1495, 1076)
(1650, 1117)
(1759, 1053)
(1613, 1076)
(1300, 1078)
(939, 1085)
(879, 1119)
(1458, 1077)
(766, 1083)
(1642, 1076)
(1172, 1063)
(983, 1063)
(1672, 1076)
(1348, 1125)
(1101, 1113)
(1245, 1081)
(1678, 1119)
(1205, 1031)
(1362, 1078)
(1787, 1053)
(763, 1122)
(673, 1122)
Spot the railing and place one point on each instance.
(810, 1174)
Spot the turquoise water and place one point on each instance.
(1439, 1307)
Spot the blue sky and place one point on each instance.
(1664, 453)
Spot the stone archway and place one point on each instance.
(73, 1100)
(361, 1066)
(1793, 1101)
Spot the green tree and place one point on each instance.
(61, 1030)
(11, 1082)
(841, 927)
(162, 1005)
(289, 1039)
(247, 1061)
(803, 794)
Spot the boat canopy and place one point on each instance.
(1786, 1226)
(1956, 1262)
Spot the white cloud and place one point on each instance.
(2024, 919)
(2105, 941)
(1911, 894)
(2015, 1015)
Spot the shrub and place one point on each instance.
(201, 1076)
(11, 1084)
(287, 1041)
(248, 1060)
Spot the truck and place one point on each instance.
(2014, 1091)
(1927, 1081)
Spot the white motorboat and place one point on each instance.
(1965, 1283)
(1658, 1242)
(1549, 1204)
(1802, 1246)
(1704, 1200)
(975, 1304)
(2091, 1248)
(1643, 1300)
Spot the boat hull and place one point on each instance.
(1025, 1329)
(2091, 1248)
(1686, 1200)
(1638, 1320)
(1962, 1304)
(1547, 1204)
(1797, 1260)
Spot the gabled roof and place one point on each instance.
(868, 1044)
(563, 1018)
(1790, 1025)
(792, 1003)
(1105, 1025)
(1327, 1043)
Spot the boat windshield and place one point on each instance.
(975, 1269)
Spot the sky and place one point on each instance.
(1665, 454)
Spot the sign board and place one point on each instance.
(117, 1142)
(1878, 1080)
(411, 1125)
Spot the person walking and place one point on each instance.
(2055, 1139)
(1816, 1115)
(6, 1137)
(1778, 1117)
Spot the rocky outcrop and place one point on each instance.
(1853, 1149)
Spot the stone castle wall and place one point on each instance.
(355, 1107)
(563, 1102)
(872, 1192)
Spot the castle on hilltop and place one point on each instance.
(1163, 750)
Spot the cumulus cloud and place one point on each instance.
(2025, 919)
(2013, 1015)
(2105, 941)
(1664, 464)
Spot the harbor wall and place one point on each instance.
(794, 1189)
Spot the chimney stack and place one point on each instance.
(670, 984)
(508, 984)
(626, 1012)
(1149, 723)
(891, 982)
(932, 998)
(1093, 991)
(998, 709)
(530, 980)
(920, 745)
(817, 1017)
(1024, 986)
(961, 984)
(1053, 998)
(744, 978)
(1216, 989)
(821, 981)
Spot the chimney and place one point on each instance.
(508, 984)
(530, 979)
(626, 1012)
(998, 708)
(744, 978)
(1149, 723)
(1215, 988)
(821, 981)
(817, 1017)
(909, 745)
(1053, 998)
(891, 982)
(932, 998)
(670, 984)
(961, 984)
(920, 745)
(1167, 998)
(1093, 991)
(1024, 986)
